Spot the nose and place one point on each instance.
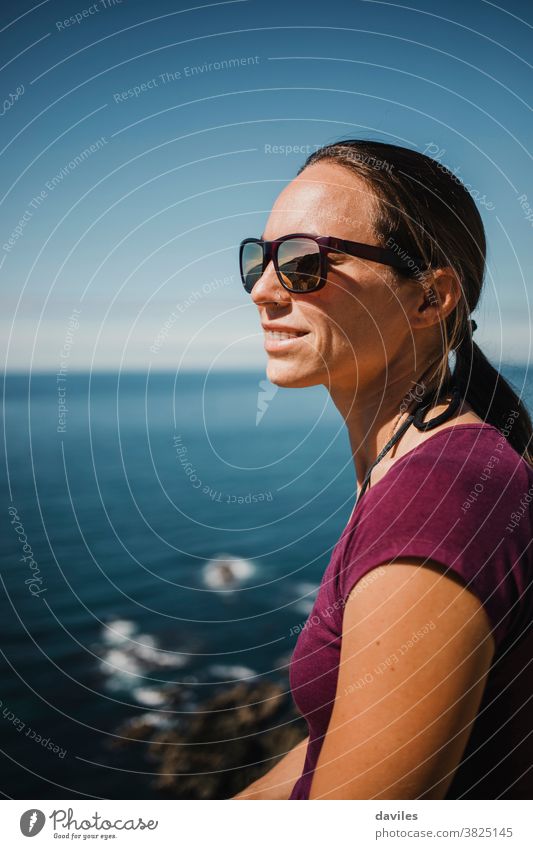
(268, 289)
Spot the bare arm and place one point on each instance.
(279, 781)
(404, 705)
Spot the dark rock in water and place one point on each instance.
(230, 740)
(226, 574)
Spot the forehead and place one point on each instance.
(326, 199)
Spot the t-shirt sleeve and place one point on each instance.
(453, 507)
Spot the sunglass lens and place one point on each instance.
(251, 264)
(299, 264)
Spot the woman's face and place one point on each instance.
(357, 326)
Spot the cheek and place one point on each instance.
(349, 317)
(357, 329)
(345, 319)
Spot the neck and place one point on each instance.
(374, 412)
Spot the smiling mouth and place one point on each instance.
(278, 342)
(276, 334)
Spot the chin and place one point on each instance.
(292, 374)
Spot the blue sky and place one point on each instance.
(129, 175)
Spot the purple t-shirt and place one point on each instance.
(463, 498)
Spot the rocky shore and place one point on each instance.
(228, 741)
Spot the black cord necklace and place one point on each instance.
(416, 418)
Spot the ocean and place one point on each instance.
(162, 533)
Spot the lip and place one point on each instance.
(272, 345)
(281, 328)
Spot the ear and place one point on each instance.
(440, 292)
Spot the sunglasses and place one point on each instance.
(301, 261)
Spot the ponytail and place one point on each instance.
(491, 396)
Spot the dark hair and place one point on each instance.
(424, 210)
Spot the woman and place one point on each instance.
(412, 670)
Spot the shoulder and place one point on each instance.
(457, 466)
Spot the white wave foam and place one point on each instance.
(118, 662)
(156, 719)
(226, 572)
(228, 672)
(149, 696)
(145, 648)
(127, 657)
(118, 630)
